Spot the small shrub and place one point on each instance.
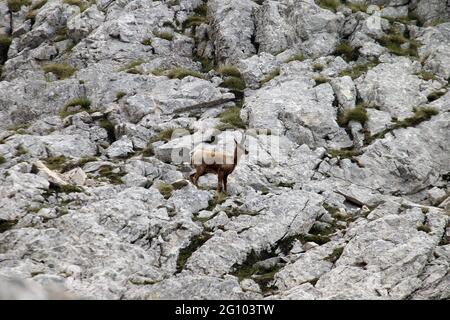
(343, 153)
(84, 103)
(110, 129)
(166, 190)
(426, 75)
(335, 255)
(329, 4)
(79, 3)
(168, 24)
(66, 189)
(207, 64)
(347, 51)
(55, 163)
(185, 253)
(357, 7)
(16, 5)
(231, 117)
(113, 175)
(134, 71)
(164, 35)
(5, 42)
(424, 228)
(75, 164)
(420, 115)
(165, 135)
(132, 64)
(147, 42)
(120, 95)
(317, 67)
(435, 95)
(320, 80)
(148, 151)
(270, 76)
(394, 43)
(60, 35)
(21, 150)
(38, 5)
(19, 129)
(358, 114)
(296, 57)
(436, 22)
(61, 70)
(229, 71)
(234, 83)
(180, 73)
(194, 21)
(358, 70)
(202, 9)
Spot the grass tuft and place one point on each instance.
(16, 5)
(318, 67)
(166, 190)
(343, 153)
(347, 51)
(435, 95)
(180, 73)
(55, 163)
(132, 64)
(234, 83)
(320, 80)
(165, 135)
(147, 42)
(296, 57)
(335, 255)
(61, 70)
(83, 103)
(270, 76)
(329, 4)
(399, 45)
(358, 70)
(420, 115)
(358, 114)
(164, 35)
(79, 3)
(231, 119)
(229, 71)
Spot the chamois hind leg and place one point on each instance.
(219, 181)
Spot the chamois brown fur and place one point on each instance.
(220, 163)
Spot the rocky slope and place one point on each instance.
(96, 98)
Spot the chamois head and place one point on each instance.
(240, 148)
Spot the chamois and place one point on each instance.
(220, 163)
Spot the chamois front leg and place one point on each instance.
(199, 171)
(225, 181)
(219, 181)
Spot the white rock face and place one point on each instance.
(394, 88)
(343, 194)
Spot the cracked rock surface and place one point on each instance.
(344, 193)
